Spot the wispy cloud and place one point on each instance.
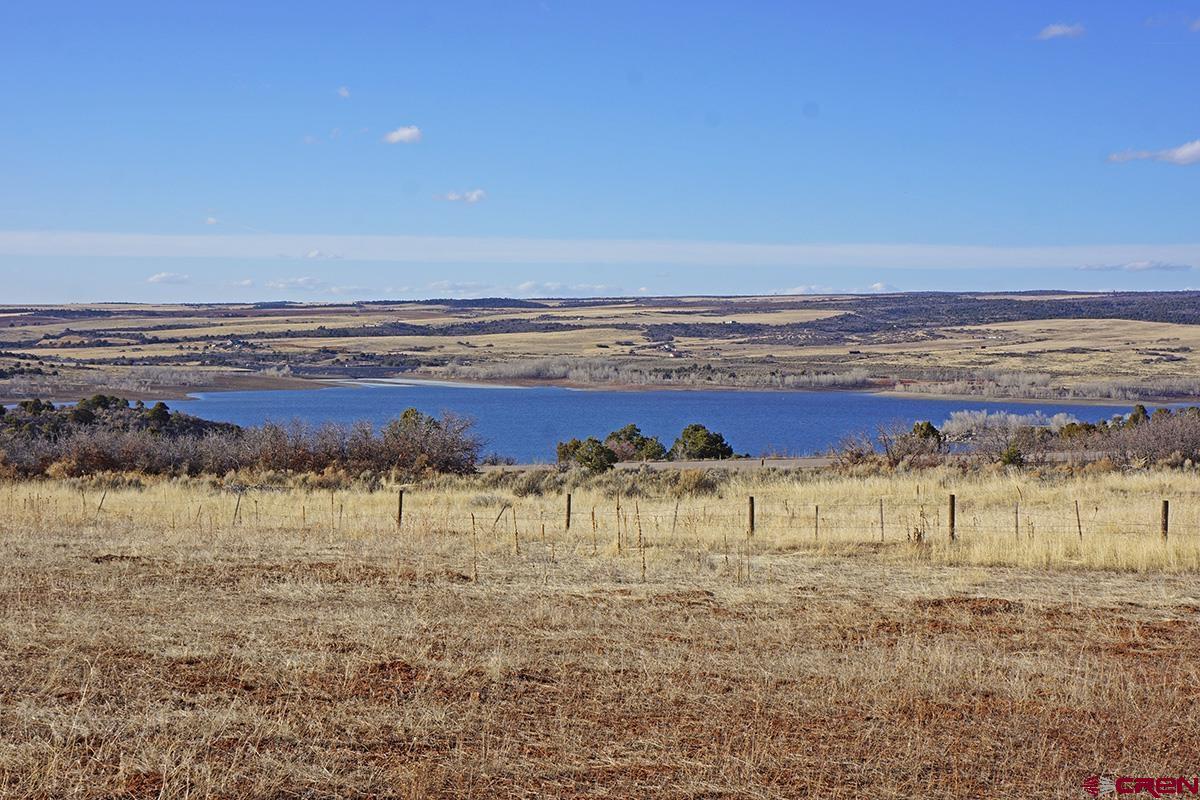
(1137, 266)
(211, 220)
(406, 134)
(1195, 26)
(558, 289)
(315, 255)
(880, 286)
(470, 197)
(343, 92)
(807, 288)
(1061, 30)
(527, 251)
(305, 283)
(459, 287)
(1184, 154)
(245, 283)
(168, 278)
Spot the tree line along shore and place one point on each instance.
(108, 434)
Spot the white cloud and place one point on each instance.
(470, 197)
(1184, 154)
(245, 283)
(803, 289)
(211, 220)
(406, 134)
(1137, 266)
(343, 92)
(611, 252)
(315, 255)
(168, 277)
(305, 283)
(559, 289)
(880, 286)
(459, 287)
(1061, 30)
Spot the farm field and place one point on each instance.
(1021, 345)
(182, 639)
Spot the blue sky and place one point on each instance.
(313, 151)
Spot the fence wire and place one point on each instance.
(870, 521)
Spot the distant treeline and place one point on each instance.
(1041, 386)
(109, 434)
(600, 370)
(106, 434)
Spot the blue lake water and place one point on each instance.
(525, 423)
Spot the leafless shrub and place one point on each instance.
(119, 438)
(1168, 439)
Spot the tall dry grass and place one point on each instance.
(1107, 521)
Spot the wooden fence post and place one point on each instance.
(1166, 518)
(474, 552)
(1078, 521)
(400, 510)
(568, 526)
(881, 529)
(751, 515)
(816, 521)
(953, 532)
(516, 536)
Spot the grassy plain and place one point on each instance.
(914, 340)
(175, 641)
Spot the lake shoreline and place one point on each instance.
(530, 383)
(239, 382)
(526, 422)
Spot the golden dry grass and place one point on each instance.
(1013, 519)
(154, 647)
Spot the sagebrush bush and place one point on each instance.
(107, 434)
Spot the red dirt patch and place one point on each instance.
(394, 679)
(978, 606)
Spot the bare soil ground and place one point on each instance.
(147, 663)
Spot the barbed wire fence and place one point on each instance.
(949, 517)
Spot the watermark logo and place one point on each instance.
(1096, 785)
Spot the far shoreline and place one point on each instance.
(530, 383)
(241, 382)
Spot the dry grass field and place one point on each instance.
(182, 640)
(1067, 339)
